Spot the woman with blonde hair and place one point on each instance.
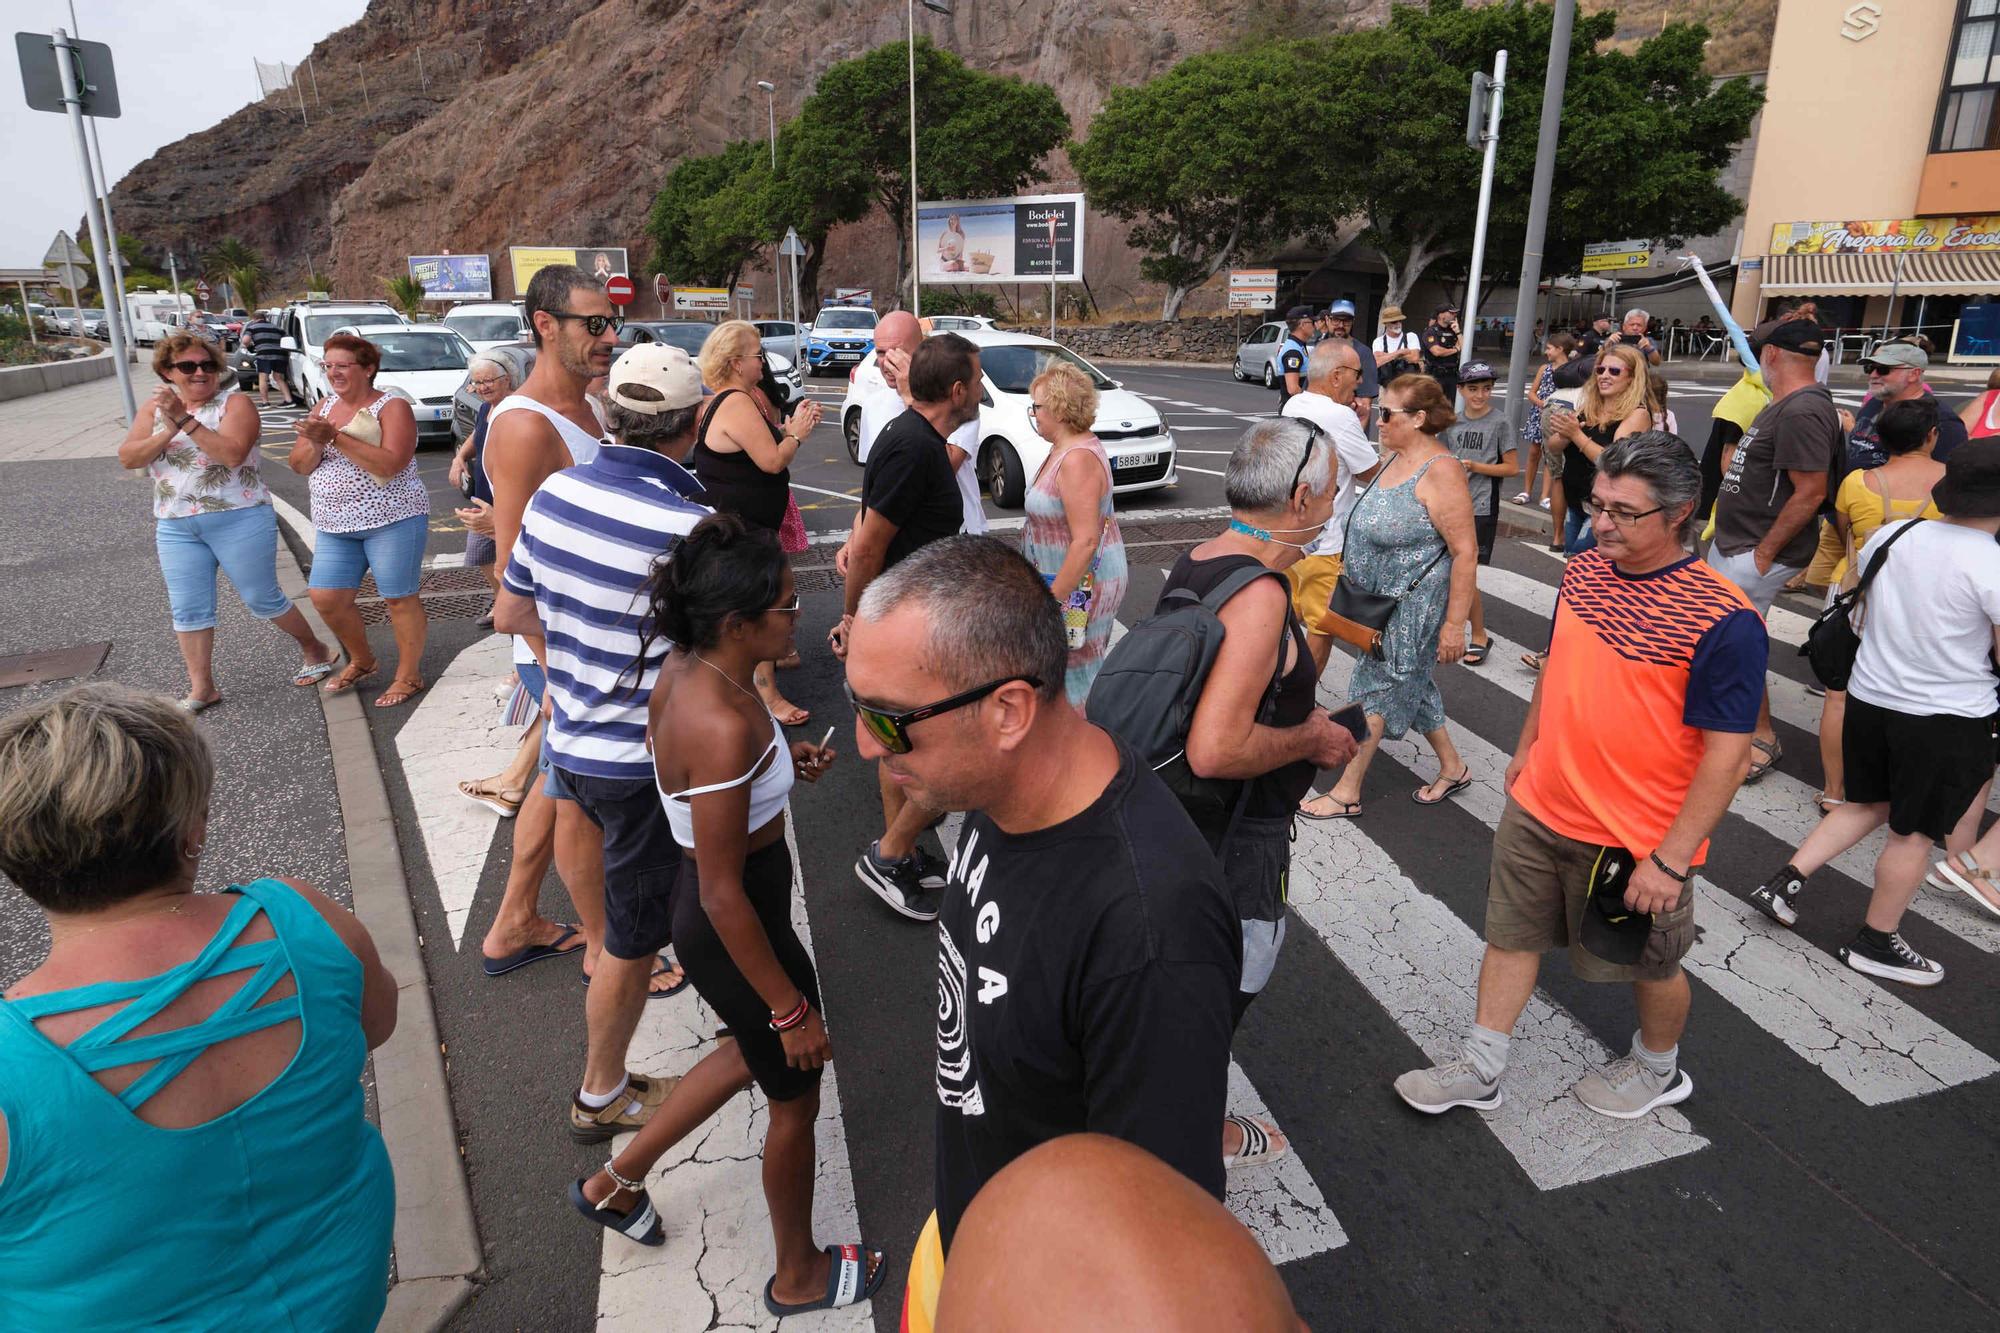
(196, 437)
(1614, 404)
(743, 455)
(1071, 535)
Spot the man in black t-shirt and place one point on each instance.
(1592, 342)
(909, 499)
(1441, 348)
(1087, 952)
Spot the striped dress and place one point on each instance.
(1045, 541)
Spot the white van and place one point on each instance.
(153, 315)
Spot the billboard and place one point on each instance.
(527, 260)
(1001, 240)
(453, 277)
(1886, 237)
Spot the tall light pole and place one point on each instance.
(936, 7)
(770, 91)
(1553, 83)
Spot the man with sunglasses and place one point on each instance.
(1896, 375)
(1327, 406)
(909, 499)
(1087, 953)
(1635, 742)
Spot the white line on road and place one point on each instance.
(838, 495)
(1205, 471)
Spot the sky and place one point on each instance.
(179, 70)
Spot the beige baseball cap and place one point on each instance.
(664, 370)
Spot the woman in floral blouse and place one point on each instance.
(196, 437)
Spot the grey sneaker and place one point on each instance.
(1454, 1083)
(1626, 1089)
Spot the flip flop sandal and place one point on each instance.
(533, 953)
(666, 966)
(1347, 810)
(848, 1282)
(410, 689)
(1260, 1142)
(192, 705)
(1475, 653)
(349, 679)
(642, 1224)
(1827, 804)
(1773, 751)
(1521, 498)
(1457, 784)
(493, 798)
(311, 673)
(1534, 661)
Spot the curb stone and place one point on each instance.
(437, 1251)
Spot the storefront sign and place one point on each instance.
(1886, 237)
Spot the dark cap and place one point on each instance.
(1971, 485)
(1476, 372)
(1790, 335)
(1445, 307)
(1297, 313)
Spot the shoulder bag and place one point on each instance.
(1359, 618)
(1833, 641)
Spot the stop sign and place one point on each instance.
(619, 289)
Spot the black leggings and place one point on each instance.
(767, 882)
(1722, 438)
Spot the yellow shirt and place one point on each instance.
(1867, 510)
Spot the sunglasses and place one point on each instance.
(1613, 371)
(194, 367)
(790, 608)
(1316, 433)
(1405, 411)
(594, 325)
(891, 731)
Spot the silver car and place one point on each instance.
(781, 336)
(1256, 356)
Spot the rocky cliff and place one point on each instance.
(473, 125)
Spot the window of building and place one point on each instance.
(1966, 112)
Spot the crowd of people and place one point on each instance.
(1115, 901)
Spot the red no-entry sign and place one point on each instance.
(619, 289)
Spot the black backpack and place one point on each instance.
(1146, 692)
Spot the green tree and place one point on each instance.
(230, 260)
(1644, 135)
(1210, 161)
(712, 216)
(978, 135)
(244, 284)
(406, 293)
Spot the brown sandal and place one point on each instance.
(350, 676)
(400, 692)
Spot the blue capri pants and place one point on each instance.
(394, 553)
(243, 543)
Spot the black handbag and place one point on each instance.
(1357, 617)
(1833, 641)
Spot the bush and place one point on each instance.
(961, 301)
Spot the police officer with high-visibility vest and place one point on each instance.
(1291, 377)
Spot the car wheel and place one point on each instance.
(850, 429)
(1236, 369)
(1270, 376)
(1005, 481)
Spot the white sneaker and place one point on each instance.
(1453, 1083)
(1626, 1088)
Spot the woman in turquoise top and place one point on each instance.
(183, 1141)
(1071, 534)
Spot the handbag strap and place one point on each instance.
(1875, 561)
(1444, 548)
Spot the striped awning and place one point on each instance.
(1924, 273)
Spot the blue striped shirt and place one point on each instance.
(587, 546)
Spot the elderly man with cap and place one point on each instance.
(1339, 324)
(1441, 347)
(1395, 351)
(1291, 362)
(1773, 485)
(1896, 375)
(576, 582)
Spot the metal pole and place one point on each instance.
(73, 100)
(114, 316)
(798, 317)
(1492, 137)
(366, 104)
(1052, 275)
(916, 301)
(174, 276)
(1895, 289)
(27, 315)
(313, 74)
(1538, 211)
(420, 70)
(777, 260)
(300, 89)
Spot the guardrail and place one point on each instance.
(26, 381)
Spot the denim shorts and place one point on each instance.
(242, 542)
(394, 553)
(641, 859)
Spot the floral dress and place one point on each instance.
(1045, 541)
(1531, 425)
(188, 483)
(1389, 541)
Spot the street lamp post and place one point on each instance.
(936, 7)
(770, 91)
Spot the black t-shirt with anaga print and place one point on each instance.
(1085, 977)
(909, 481)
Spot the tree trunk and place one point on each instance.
(1170, 309)
(808, 278)
(1403, 274)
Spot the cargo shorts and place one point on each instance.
(1537, 892)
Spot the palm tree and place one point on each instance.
(407, 293)
(243, 284)
(230, 261)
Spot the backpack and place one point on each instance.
(1146, 692)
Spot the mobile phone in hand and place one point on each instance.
(1354, 718)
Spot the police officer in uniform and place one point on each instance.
(1292, 353)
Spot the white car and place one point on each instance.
(1011, 451)
(487, 324)
(422, 365)
(308, 324)
(961, 324)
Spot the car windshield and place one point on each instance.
(321, 327)
(845, 319)
(1013, 366)
(411, 350)
(687, 337)
(93, 314)
(486, 328)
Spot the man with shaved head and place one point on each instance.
(896, 340)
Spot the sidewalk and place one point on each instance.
(298, 789)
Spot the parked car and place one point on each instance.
(226, 333)
(518, 357)
(1011, 451)
(307, 326)
(690, 334)
(423, 366)
(95, 324)
(960, 323)
(782, 336)
(840, 337)
(487, 324)
(152, 315)
(1256, 355)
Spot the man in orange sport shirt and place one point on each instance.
(1635, 743)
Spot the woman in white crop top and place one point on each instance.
(725, 598)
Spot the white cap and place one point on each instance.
(662, 368)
